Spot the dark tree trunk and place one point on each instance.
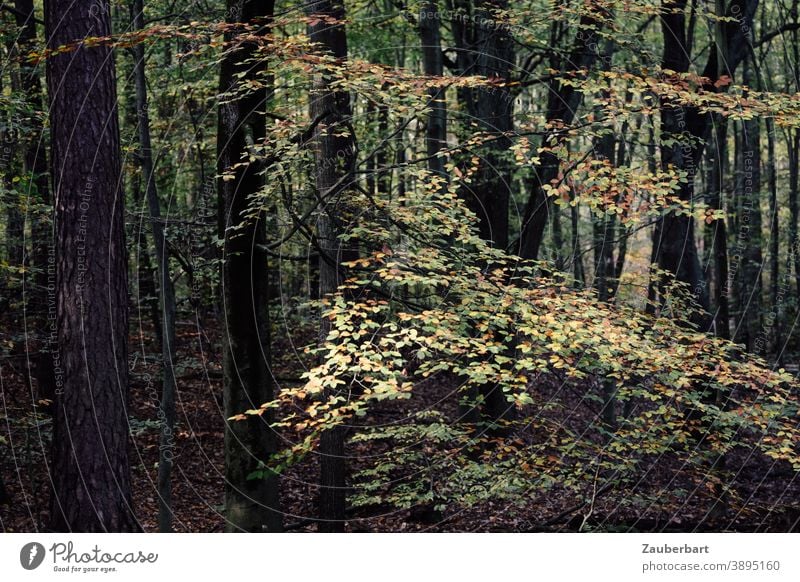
(675, 248)
(774, 236)
(749, 256)
(251, 505)
(334, 150)
(558, 238)
(166, 291)
(604, 225)
(4, 496)
(794, 211)
(90, 470)
(793, 146)
(484, 47)
(718, 232)
(563, 103)
(14, 219)
(577, 254)
(433, 65)
(35, 166)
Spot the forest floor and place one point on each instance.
(768, 494)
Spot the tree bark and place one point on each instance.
(750, 256)
(720, 291)
(675, 248)
(251, 505)
(774, 235)
(90, 471)
(166, 290)
(433, 65)
(4, 496)
(675, 234)
(334, 150)
(38, 194)
(563, 104)
(793, 147)
(484, 47)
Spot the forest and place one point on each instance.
(399, 266)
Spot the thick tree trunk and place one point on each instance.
(334, 150)
(166, 291)
(90, 470)
(484, 47)
(675, 248)
(251, 504)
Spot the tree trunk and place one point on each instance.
(748, 276)
(334, 150)
(90, 471)
(604, 225)
(794, 191)
(563, 104)
(433, 65)
(577, 254)
(166, 290)
(38, 197)
(14, 219)
(251, 505)
(4, 496)
(484, 47)
(675, 234)
(675, 248)
(718, 233)
(774, 237)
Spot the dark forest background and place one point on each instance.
(399, 266)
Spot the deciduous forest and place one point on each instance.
(399, 266)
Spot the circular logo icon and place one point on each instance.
(31, 556)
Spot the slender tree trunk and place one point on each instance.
(748, 276)
(720, 289)
(4, 496)
(577, 255)
(603, 225)
(794, 175)
(14, 219)
(794, 159)
(433, 65)
(90, 471)
(334, 150)
(774, 235)
(165, 288)
(251, 505)
(563, 104)
(40, 203)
